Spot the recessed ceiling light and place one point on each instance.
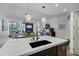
(65, 9)
(43, 6)
(56, 5)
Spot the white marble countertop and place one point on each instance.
(16, 47)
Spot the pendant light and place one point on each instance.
(27, 15)
(43, 18)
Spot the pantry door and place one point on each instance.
(76, 33)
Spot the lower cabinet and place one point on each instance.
(47, 52)
(60, 50)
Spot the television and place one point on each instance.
(29, 27)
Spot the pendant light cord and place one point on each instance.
(43, 7)
(28, 7)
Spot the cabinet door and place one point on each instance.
(48, 52)
(41, 53)
(76, 33)
(62, 50)
(52, 51)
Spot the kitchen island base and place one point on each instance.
(59, 50)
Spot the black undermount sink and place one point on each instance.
(39, 43)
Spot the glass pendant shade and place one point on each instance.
(43, 20)
(28, 17)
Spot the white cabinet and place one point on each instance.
(76, 33)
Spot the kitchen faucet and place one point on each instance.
(37, 34)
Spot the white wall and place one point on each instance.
(3, 34)
(61, 20)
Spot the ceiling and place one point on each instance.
(18, 10)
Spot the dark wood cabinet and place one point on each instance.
(60, 50)
(41, 53)
(47, 52)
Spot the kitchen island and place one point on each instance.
(21, 47)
